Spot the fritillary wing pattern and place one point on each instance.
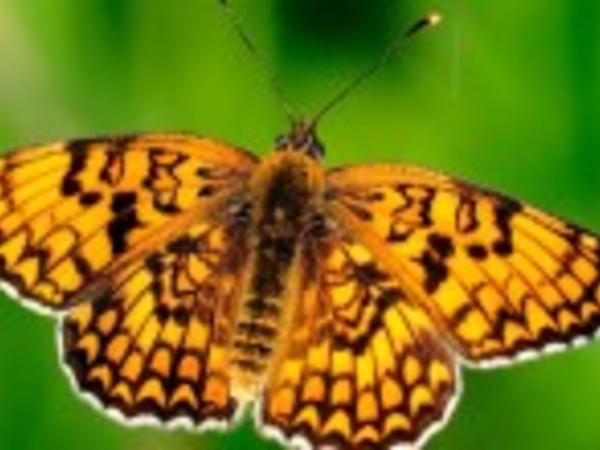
(134, 239)
(362, 366)
(156, 341)
(71, 211)
(501, 279)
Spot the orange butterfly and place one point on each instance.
(191, 278)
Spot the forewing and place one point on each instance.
(72, 211)
(500, 278)
(154, 342)
(361, 365)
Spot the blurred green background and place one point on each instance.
(506, 94)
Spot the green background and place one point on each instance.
(506, 94)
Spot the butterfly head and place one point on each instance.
(302, 138)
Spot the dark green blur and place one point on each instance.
(506, 94)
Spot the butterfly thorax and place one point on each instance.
(287, 189)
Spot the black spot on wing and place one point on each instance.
(477, 252)
(503, 247)
(435, 270)
(90, 198)
(122, 201)
(442, 245)
(78, 152)
(70, 186)
(120, 227)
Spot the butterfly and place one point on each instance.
(191, 278)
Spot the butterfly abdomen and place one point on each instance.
(261, 311)
(284, 189)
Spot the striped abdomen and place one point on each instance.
(284, 191)
(262, 309)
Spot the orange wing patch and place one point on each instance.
(154, 341)
(71, 211)
(499, 278)
(361, 366)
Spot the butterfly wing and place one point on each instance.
(155, 341)
(361, 365)
(73, 212)
(135, 240)
(500, 279)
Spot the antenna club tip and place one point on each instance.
(434, 18)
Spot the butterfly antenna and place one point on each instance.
(290, 109)
(397, 43)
